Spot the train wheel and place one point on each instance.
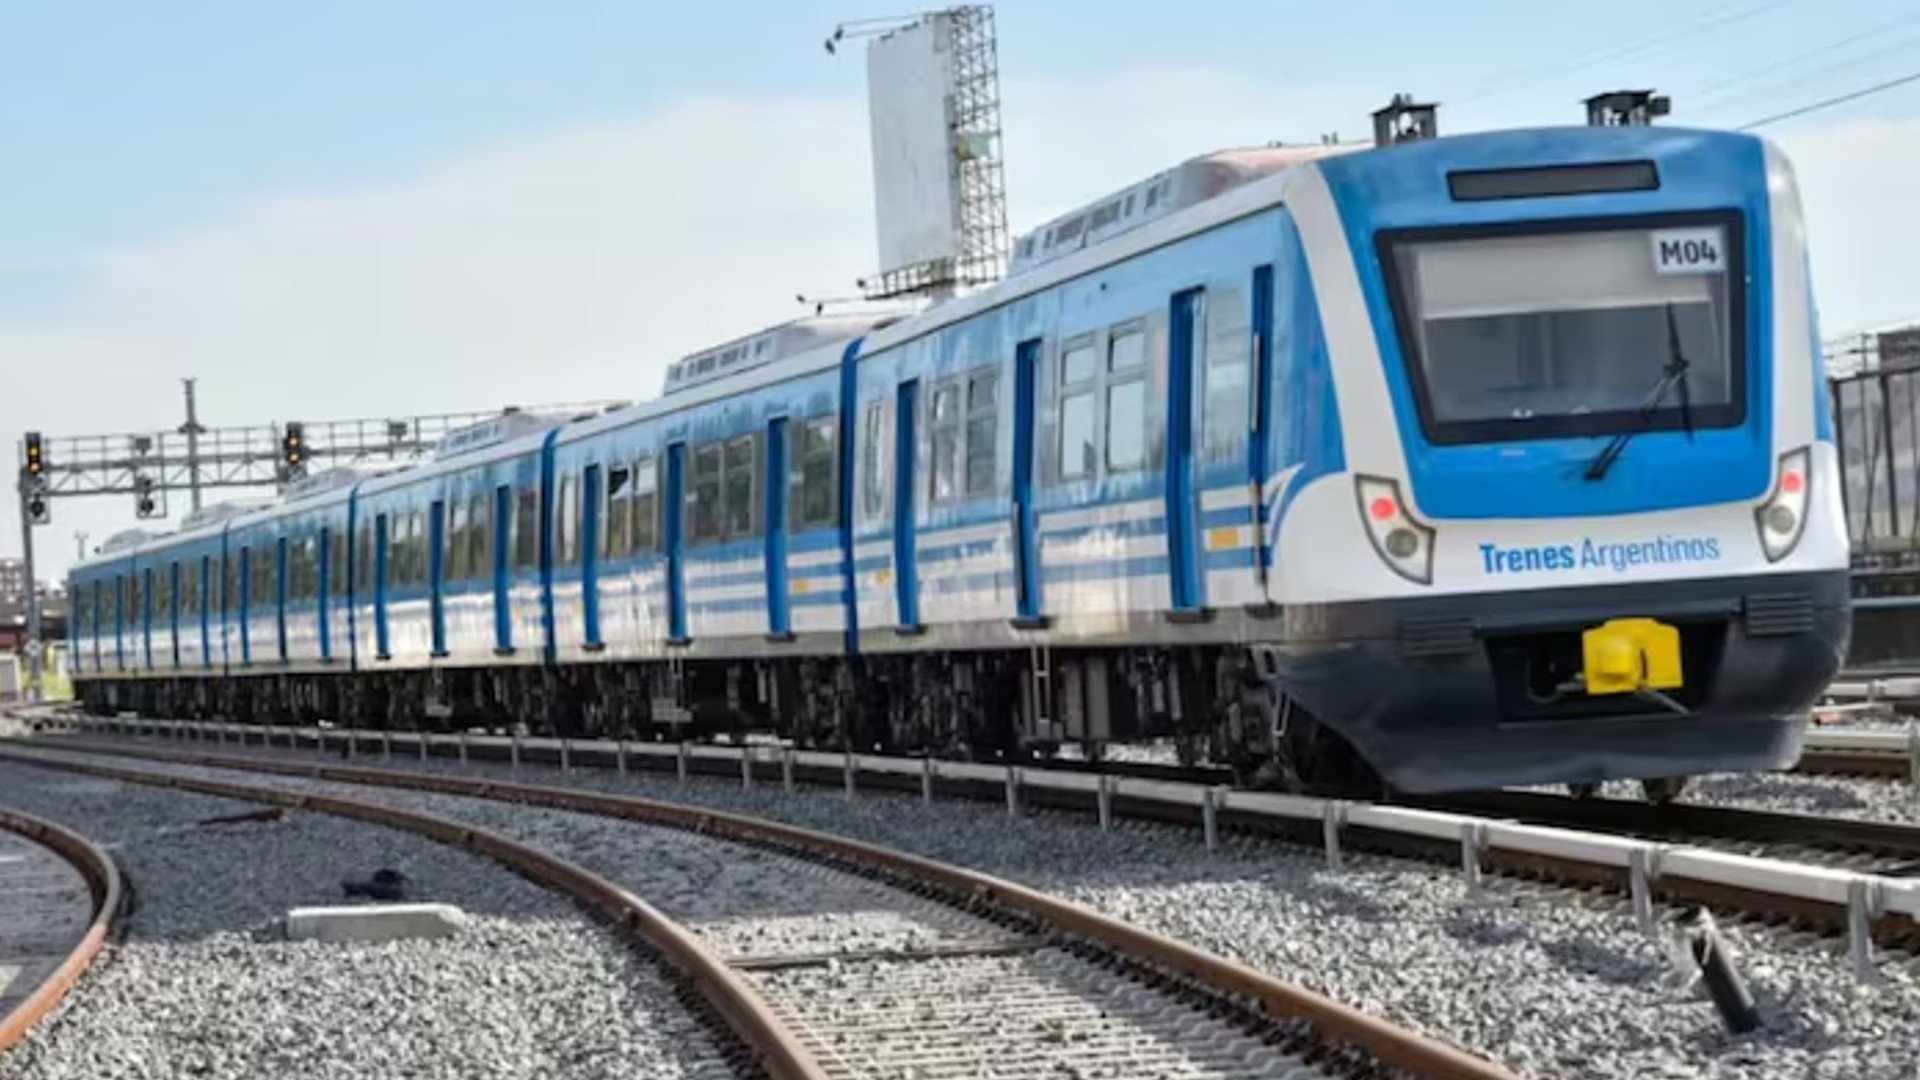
(1663, 789)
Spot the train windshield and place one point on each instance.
(1558, 334)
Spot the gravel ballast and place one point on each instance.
(884, 981)
(202, 986)
(1549, 981)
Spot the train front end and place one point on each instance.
(1587, 520)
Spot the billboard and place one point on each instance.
(916, 195)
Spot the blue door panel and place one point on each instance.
(676, 543)
(1182, 528)
(1026, 546)
(779, 612)
(905, 569)
(589, 540)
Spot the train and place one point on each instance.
(1452, 463)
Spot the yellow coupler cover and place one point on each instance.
(1623, 655)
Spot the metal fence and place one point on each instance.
(1877, 424)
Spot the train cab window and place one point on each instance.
(616, 530)
(526, 529)
(742, 465)
(873, 462)
(1127, 400)
(1079, 375)
(1229, 368)
(982, 430)
(943, 434)
(815, 491)
(646, 506)
(704, 494)
(480, 536)
(566, 523)
(458, 557)
(1570, 333)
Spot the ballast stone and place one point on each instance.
(374, 922)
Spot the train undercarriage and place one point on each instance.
(1209, 703)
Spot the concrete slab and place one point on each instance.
(374, 922)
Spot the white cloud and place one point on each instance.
(574, 265)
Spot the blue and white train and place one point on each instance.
(1462, 462)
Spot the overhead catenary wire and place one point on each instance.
(1827, 103)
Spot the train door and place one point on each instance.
(590, 556)
(1260, 422)
(1026, 538)
(1187, 317)
(322, 582)
(382, 633)
(247, 601)
(675, 505)
(502, 552)
(143, 614)
(905, 566)
(280, 596)
(436, 574)
(173, 609)
(779, 606)
(203, 603)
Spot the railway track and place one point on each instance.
(1649, 865)
(59, 896)
(944, 968)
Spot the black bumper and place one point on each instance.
(1435, 692)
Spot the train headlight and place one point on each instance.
(1783, 517)
(1404, 544)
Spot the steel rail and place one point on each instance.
(109, 894)
(748, 1015)
(1341, 1023)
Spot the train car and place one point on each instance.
(697, 547)
(1502, 457)
(448, 594)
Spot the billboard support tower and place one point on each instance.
(933, 99)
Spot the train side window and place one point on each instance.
(1079, 377)
(742, 465)
(190, 588)
(363, 569)
(705, 494)
(873, 462)
(943, 434)
(137, 611)
(616, 530)
(982, 430)
(337, 562)
(815, 490)
(1229, 374)
(480, 536)
(404, 557)
(459, 564)
(163, 593)
(229, 581)
(526, 529)
(1127, 400)
(566, 523)
(296, 570)
(646, 505)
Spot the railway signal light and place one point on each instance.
(36, 455)
(145, 505)
(38, 511)
(293, 446)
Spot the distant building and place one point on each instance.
(13, 585)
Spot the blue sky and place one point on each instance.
(324, 209)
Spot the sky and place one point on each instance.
(370, 209)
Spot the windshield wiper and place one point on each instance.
(1674, 374)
